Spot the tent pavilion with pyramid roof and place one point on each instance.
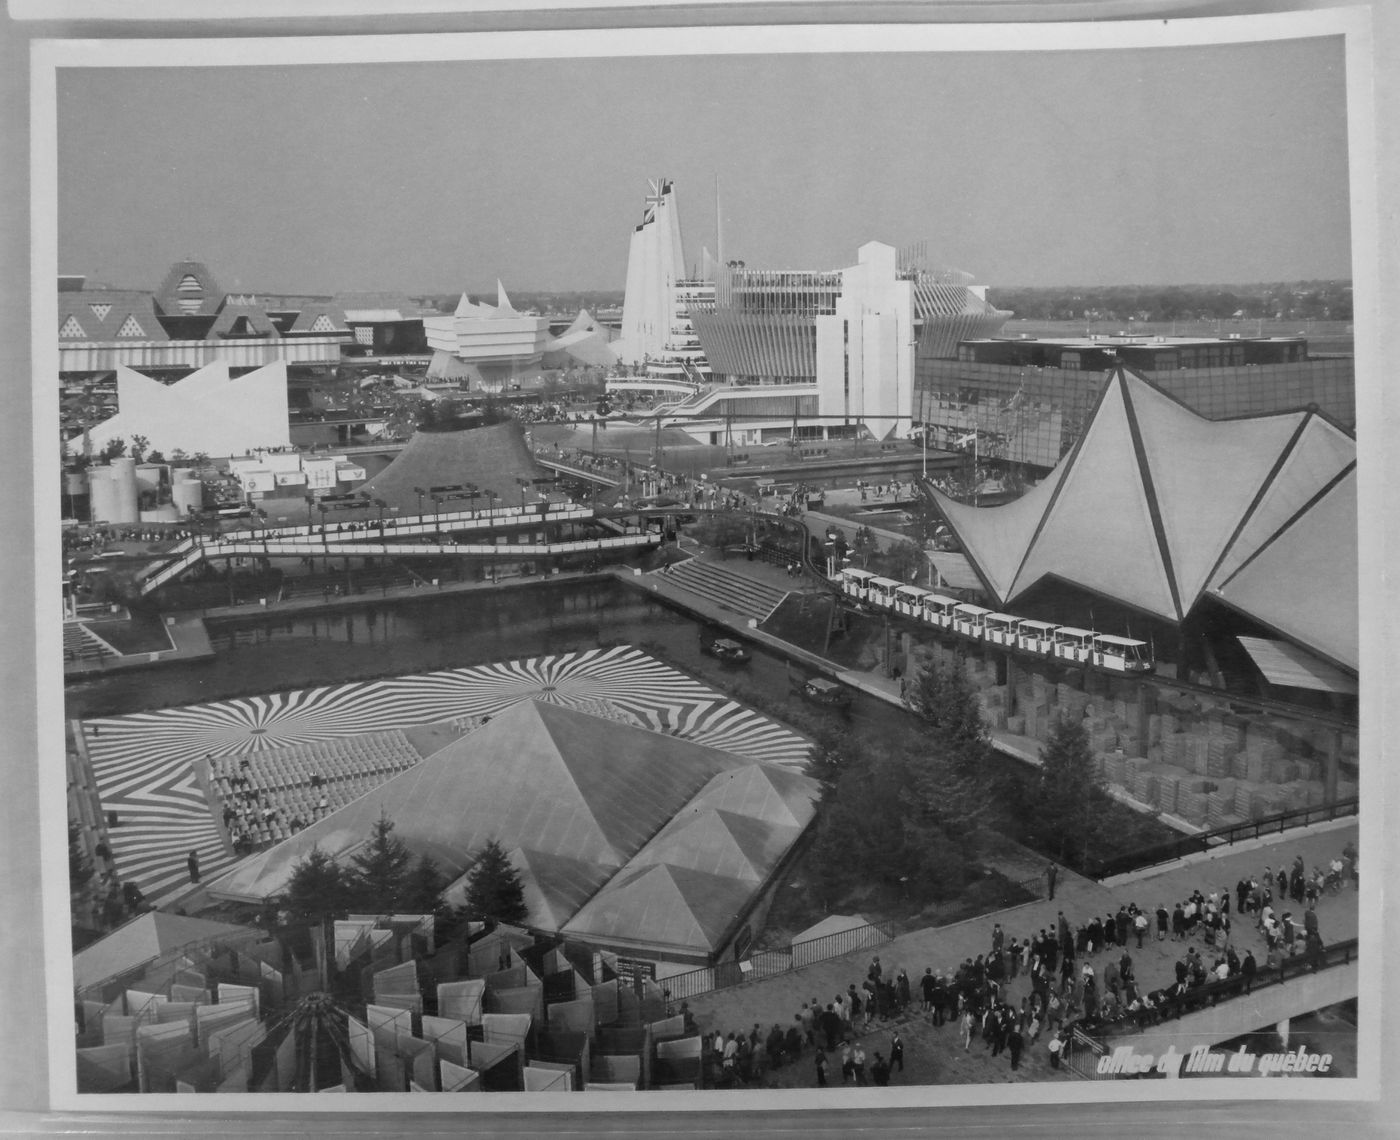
(489, 457)
(1159, 510)
(631, 839)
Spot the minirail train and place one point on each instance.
(977, 623)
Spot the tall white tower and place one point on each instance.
(654, 264)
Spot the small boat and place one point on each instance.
(821, 691)
(726, 650)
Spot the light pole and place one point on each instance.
(523, 483)
(420, 493)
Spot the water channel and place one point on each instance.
(262, 653)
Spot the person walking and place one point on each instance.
(967, 1024)
(821, 1068)
(896, 1051)
(1014, 1044)
(192, 863)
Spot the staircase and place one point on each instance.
(726, 588)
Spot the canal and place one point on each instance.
(263, 654)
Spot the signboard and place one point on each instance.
(632, 970)
(290, 478)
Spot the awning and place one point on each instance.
(956, 571)
(1287, 665)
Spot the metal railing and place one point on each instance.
(768, 963)
(1221, 836)
(1086, 1045)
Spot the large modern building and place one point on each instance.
(493, 341)
(1026, 400)
(189, 322)
(841, 345)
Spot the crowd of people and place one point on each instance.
(832, 1033)
(1079, 973)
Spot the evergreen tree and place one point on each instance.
(423, 890)
(379, 875)
(947, 702)
(1069, 791)
(317, 889)
(494, 890)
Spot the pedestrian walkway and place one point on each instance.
(777, 999)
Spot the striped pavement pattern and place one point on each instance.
(142, 762)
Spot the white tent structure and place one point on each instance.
(207, 411)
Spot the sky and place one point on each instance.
(1217, 164)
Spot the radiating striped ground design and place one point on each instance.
(142, 762)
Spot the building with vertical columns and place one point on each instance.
(839, 343)
(865, 349)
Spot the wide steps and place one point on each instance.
(726, 588)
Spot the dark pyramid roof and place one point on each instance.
(169, 296)
(102, 313)
(491, 457)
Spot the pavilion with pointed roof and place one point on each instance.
(1161, 510)
(630, 839)
(497, 339)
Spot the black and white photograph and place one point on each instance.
(762, 566)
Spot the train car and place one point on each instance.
(1121, 654)
(968, 619)
(1075, 645)
(856, 583)
(909, 600)
(1036, 636)
(881, 592)
(938, 610)
(1000, 629)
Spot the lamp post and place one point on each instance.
(522, 483)
(420, 493)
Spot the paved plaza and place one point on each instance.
(939, 1055)
(143, 763)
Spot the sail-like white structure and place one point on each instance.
(655, 267)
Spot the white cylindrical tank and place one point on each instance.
(125, 491)
(187, 494)
(103, 502)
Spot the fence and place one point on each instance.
(767, 963)
(1221, 836)
(1084, 1046)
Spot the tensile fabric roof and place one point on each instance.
(489, 457)
(1158, 507)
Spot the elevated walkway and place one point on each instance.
(590, 475)
(361, 539)
(726, 588)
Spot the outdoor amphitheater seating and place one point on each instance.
(293, 780)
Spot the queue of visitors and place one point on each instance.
(1080, 973)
